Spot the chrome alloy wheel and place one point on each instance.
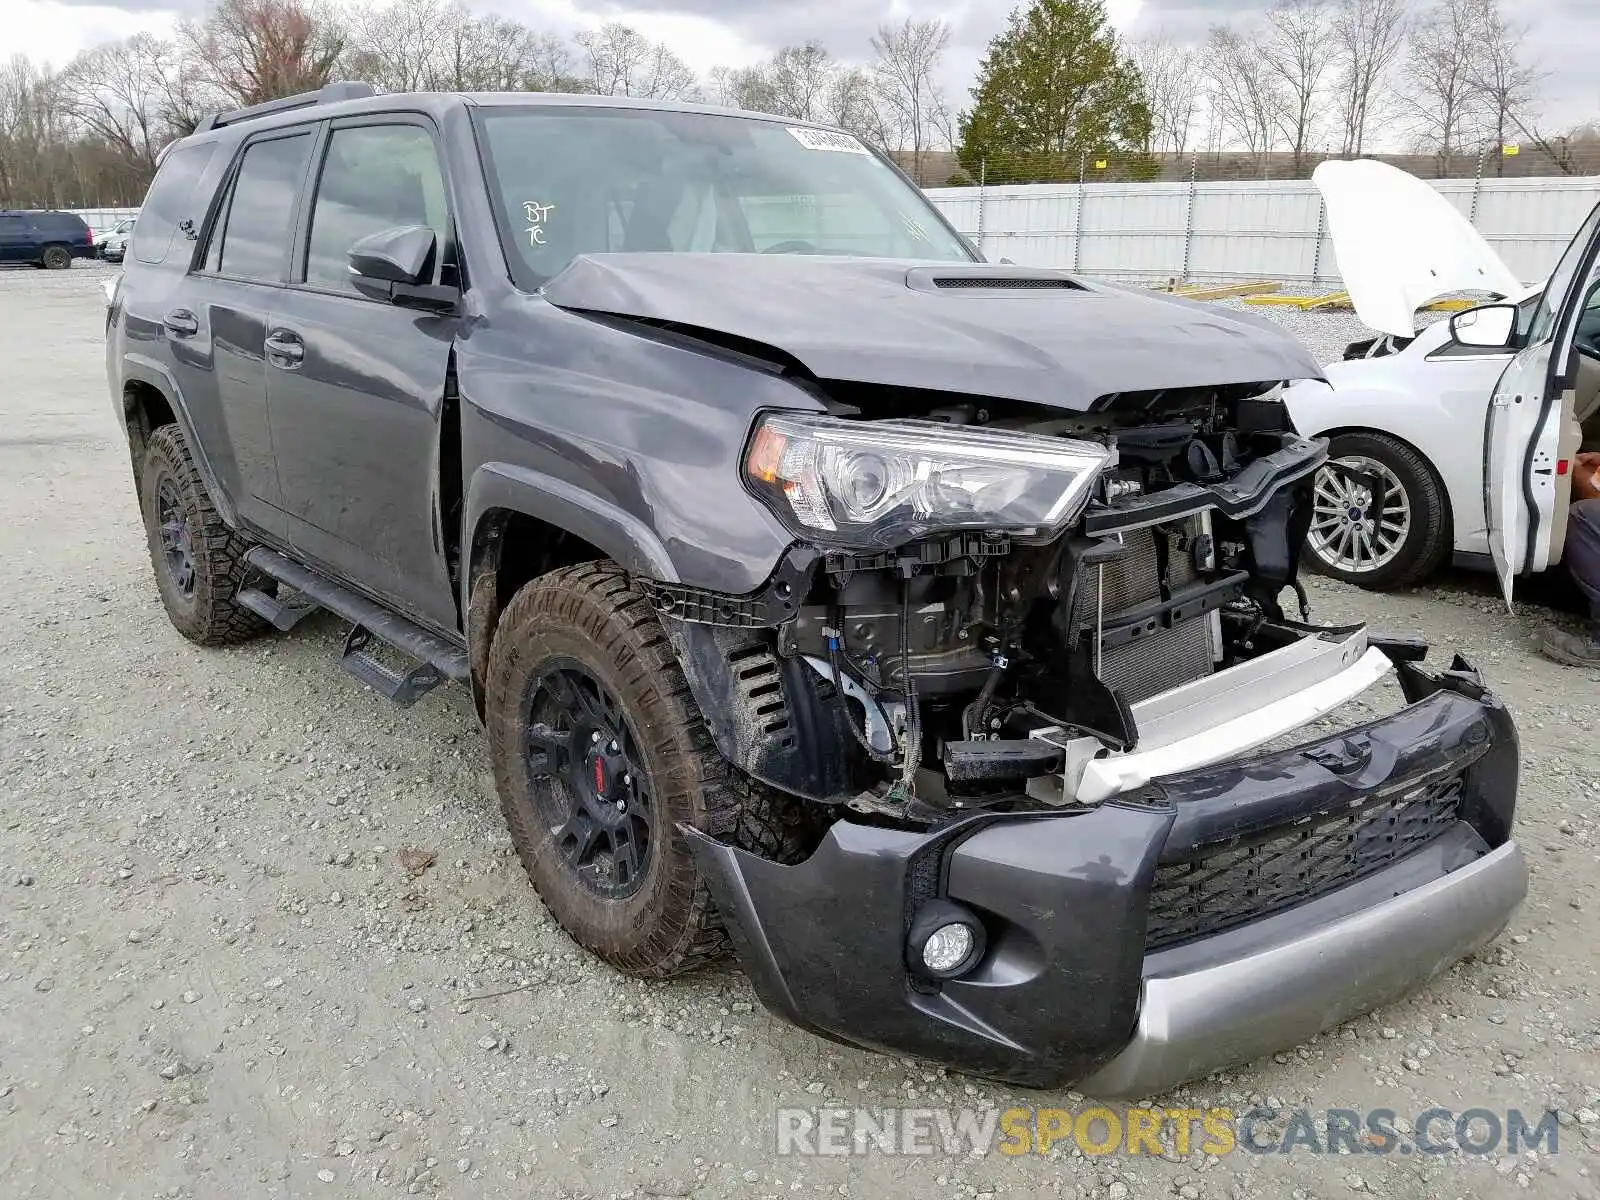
(1349, 532)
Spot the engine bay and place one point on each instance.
(936, 663)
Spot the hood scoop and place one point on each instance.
(1000, 284)
(990, 279)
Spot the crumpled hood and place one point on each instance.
(1400, 244)
(1038, 336)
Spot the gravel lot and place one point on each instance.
(220, 978)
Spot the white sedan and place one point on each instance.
(1406, 411)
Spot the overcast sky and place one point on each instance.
(1564, 36)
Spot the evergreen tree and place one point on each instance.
(1056, 87)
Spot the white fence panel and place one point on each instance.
(105, 218)
(1237, 230)
(1140, 227)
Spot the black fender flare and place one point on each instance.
(137, 368)
(500, 486)
(623, 537)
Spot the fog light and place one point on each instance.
(947, 948)
(945, 940)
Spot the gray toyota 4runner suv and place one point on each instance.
(912, 622)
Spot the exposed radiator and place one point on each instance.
(1166, 658)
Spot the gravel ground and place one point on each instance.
(264, 934)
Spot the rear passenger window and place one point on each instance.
(171, 199)
(375, 177)
(260, 215)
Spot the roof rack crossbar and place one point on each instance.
(327, 94)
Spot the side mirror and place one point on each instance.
(1489, 327)
(396, 265)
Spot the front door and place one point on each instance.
(1532, 432)
(355, 387)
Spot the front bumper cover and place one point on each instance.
(1067, 992)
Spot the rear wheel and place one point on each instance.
(198, 559)
(56, 258)
(1381, 519)
(599, 755)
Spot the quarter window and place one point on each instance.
(375, 177)
(260, 216)
(171, 199)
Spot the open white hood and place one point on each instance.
(1400, 244)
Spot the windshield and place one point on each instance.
(569, 180)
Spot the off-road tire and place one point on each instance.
(55, 258)
(593, 614)
(206, 615)
(1430, 539)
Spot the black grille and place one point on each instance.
(1238, 884)
(1007, 282)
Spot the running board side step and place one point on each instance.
(282, 615)
(437, 659)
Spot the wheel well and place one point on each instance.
(509, 549)
(1366, 431)
(146, 410)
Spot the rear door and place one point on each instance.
(218, 326)
(1532, 432)
(16, 239)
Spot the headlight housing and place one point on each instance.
(880, 484)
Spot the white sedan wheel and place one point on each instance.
(1349, 533)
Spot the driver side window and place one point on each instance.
(1561, 279)
(374, 177)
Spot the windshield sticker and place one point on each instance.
(536, 215)
(827, 139)
(915, 228)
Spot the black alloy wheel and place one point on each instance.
(176, 547)
(590, 786)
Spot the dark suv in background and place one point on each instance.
(913, 621)
(44, 238)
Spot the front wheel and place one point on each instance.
(599, 755)
(1382, 518)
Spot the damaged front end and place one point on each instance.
(980, 596)
(1020, 660)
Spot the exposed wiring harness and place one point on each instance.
(835, 646)
(912, 741)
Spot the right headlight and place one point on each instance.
(879, 484)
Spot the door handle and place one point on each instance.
(285, 349)
(180, 322)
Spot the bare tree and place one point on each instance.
(801, 76)
(117, 92)
(1444, 104)
(392, 46)
(908, 56)
(1368, 37)
(29, 128)
(618, 60)
(255, 50)
(482, 53)
(1507, 82)
(1244, 92)
(741, 87)
(853, 102)
(1174, 83)
(1295, 46)
(550, 65)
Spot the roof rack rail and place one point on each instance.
(327, 94)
